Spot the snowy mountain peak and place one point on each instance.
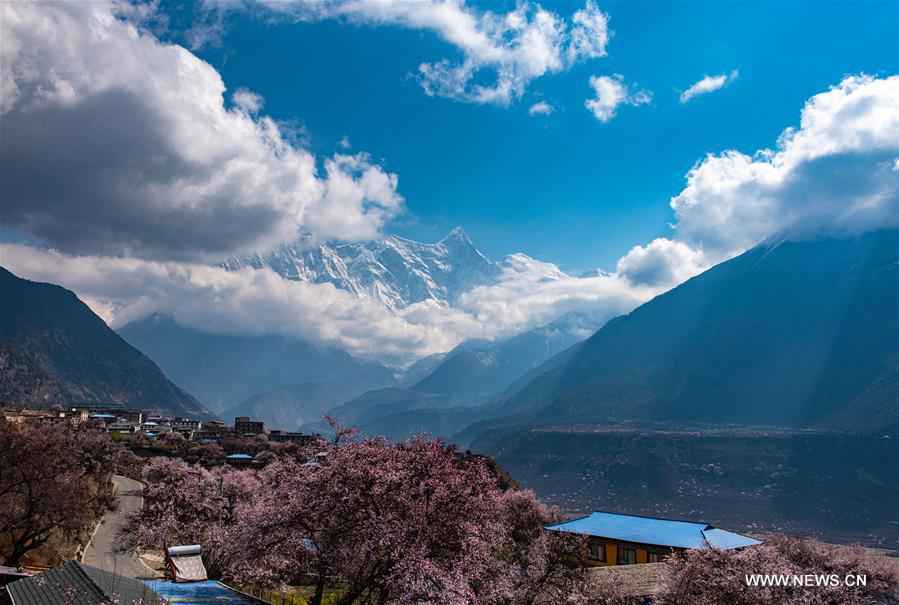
(395, 271)
(456, 236)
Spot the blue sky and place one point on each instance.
(565, 187)
(135, 161)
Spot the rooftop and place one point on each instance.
(77, 584)
(654, 531)
(209, 592)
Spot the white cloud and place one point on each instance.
(661, 263)
(611, 92)
(247, 100)
(252, 301)
(344, 143)
(831, 174)
(541, 108)
(116, 143)
(519, 46)
(258, 301)
(590, 33)
(533, 293)
(708, 84)
(357, 199)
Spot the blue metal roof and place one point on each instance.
(209, 592)
(654, 531)
(726, 540)
(239, 457)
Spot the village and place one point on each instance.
(122, 423)
(143, 551)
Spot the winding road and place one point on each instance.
(101, 552)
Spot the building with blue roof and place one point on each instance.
(617, 539)
(240, 459)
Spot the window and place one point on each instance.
(626, 556)
(654, 556)
(596, 551)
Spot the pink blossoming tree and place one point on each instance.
(188, 504)
(375, 521)
(54, 480)
(712, 577)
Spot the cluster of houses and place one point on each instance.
(126, 423)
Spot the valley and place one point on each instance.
(836, 486)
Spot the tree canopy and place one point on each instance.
(377, 521)
(53, 479)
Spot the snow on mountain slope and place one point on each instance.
(395, 271)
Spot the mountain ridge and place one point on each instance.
(789, 333)
(395, 271)
(460, 388)
(55, 350)
(226, 370)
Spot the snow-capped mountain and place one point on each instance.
(395, 271)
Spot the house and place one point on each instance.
(79, 584)
(54, 415)
(206, 436)
(216, 426)
(240, 459)
(186, 426)
(102, 419)
(212, 431)
(20, 417)
(121, 428)
(617, 539)
(287, 436)
(130, 415)
(154, 428)
(247, 428)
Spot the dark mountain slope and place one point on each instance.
(479, 370)
(55, 350)
(519, 403)
(399, 413)
(795, 333)
(373, 405)
(225, 370)
(291, 406)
